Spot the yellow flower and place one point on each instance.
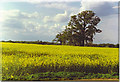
(11, 76)
(6, 68)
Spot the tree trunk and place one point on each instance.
(82, 43)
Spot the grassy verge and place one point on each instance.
(63, 76)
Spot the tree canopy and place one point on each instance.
(80, 29)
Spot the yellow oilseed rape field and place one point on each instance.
(25, 59)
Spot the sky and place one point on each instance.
(43, 19)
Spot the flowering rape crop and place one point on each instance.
(24, 59)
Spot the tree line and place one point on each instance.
(52, 43)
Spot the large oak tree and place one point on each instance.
(80, 29)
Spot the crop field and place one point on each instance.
(26, 59)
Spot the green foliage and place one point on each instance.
(80, 30)
(61, 76)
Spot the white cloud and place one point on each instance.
(17, 14)
(41, 29)
(22, 23)
(101, 8)
(58, 5)
(55, 26)
(47, 19)
(38, 1)
(53, 30)
(57, 18)
(116, 7)
(19, 22)
(16, 19)
(109, 27)
(4, 14)
(61, 17)
(30, 15)
(33, 26)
